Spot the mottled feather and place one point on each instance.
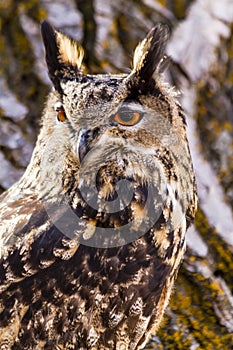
(93, 234)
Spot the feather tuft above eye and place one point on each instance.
(149, 54)
(70, 52)
(64, 56)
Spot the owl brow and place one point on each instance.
(132, 105)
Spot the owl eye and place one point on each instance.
(127, 117)
(61, 115)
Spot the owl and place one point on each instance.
(93, 234)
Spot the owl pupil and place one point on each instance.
(126, 116)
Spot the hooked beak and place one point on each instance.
(85, 142)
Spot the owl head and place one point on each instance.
(110, 145)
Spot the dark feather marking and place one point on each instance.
(52, 53)
(158, 37)
(170, 249)
(58, 71)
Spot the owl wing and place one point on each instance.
(30, 240)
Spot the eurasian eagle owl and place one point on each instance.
(93, 234)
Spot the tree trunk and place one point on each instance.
(200, 313)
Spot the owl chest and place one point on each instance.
(115, 291)
(98, 299)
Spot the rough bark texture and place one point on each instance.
(200, 315)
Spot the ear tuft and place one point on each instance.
(149, 54)
(63, 55)
(70, 53)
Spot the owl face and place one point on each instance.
(106, 119)
(112, 142)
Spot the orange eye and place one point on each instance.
(127, 117)
(61, 115)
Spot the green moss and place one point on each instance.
(163, 2)
(179, 7)
(193, 318)
(89, 34)
(222, 255)
(122, 34)
(17, 57)
(34, 9)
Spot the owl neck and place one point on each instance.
(42, 173)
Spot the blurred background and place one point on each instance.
(200, 314)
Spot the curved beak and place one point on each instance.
(85, 141)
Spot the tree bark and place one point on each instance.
(200, 313)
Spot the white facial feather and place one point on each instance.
(70, 52)
(140, 53)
